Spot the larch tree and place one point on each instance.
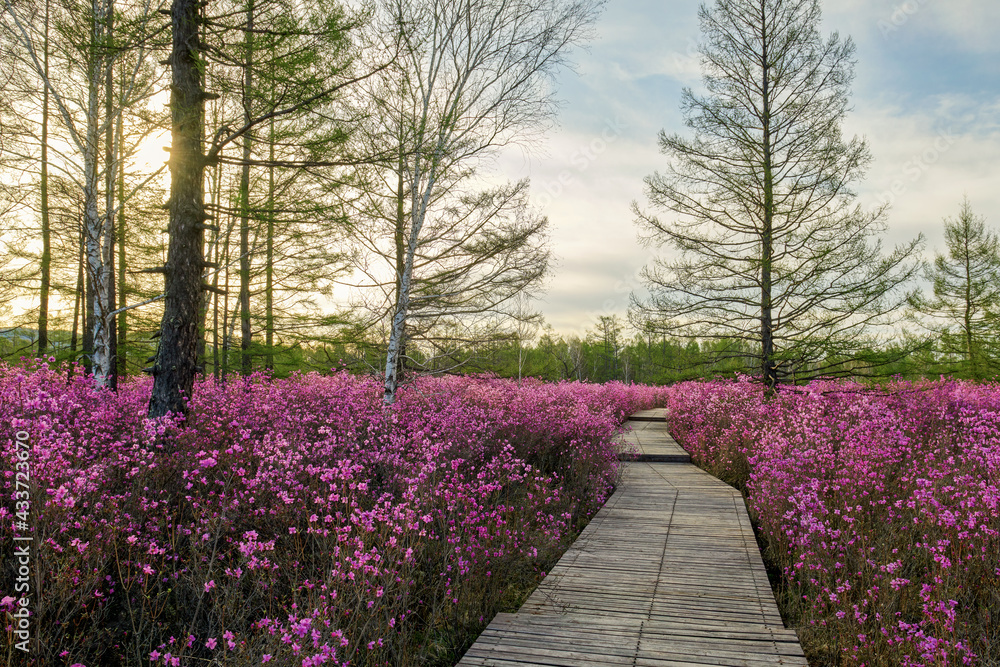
(198, 43)
(287, 52)
(963, 312)
(469, 77)
(606, 341)
(769, 245)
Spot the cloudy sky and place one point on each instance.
(926, 97)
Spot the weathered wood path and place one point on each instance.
(667, 573)
(650, 442)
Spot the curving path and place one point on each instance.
(667, 573)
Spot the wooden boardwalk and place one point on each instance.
(667, 573)
(649, 440)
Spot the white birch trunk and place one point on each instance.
(396, 339)
(398, 330)
(419, 203)
(472, 73)
(95, 225)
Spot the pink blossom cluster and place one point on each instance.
(297, 521)
(880, 505)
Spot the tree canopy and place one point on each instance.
(767, 244)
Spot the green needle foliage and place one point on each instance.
(964, 310)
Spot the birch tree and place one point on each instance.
(768, 244)
(476, 257)
(87, 44)
(470, 76)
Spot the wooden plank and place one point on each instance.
(648, 441)
(654, 415)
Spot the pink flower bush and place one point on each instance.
(881, 507)
(297, 521)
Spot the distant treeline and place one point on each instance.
(607, 352)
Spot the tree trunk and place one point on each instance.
(91, 229)
(87, 344)
(110, 169)
(202, 353)
(969, 345)
(46, 260)
(122, 334)
(246, 365)
(78, 301)
(95, 225)
(245, 330)
(269, 263)
(215, 318)
(768, 368)
(394, 354)
(226, 336)
(220, 259)
(177, 356)
(395, 345)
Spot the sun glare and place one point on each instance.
(151, 155)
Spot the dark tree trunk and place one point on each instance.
(88, 317)
(46, 263)
(121, 339)
(246, 366)
(226, 315)
(969, 307)
(768, 367)
(269, 262)
(202, 357)
(215, 317)
(177, 356)
(77, 303)
(218, 260)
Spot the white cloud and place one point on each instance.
(926, 161)
(586, 187)
(633, 75)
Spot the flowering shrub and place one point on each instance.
(296, 522)
(882, 509)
